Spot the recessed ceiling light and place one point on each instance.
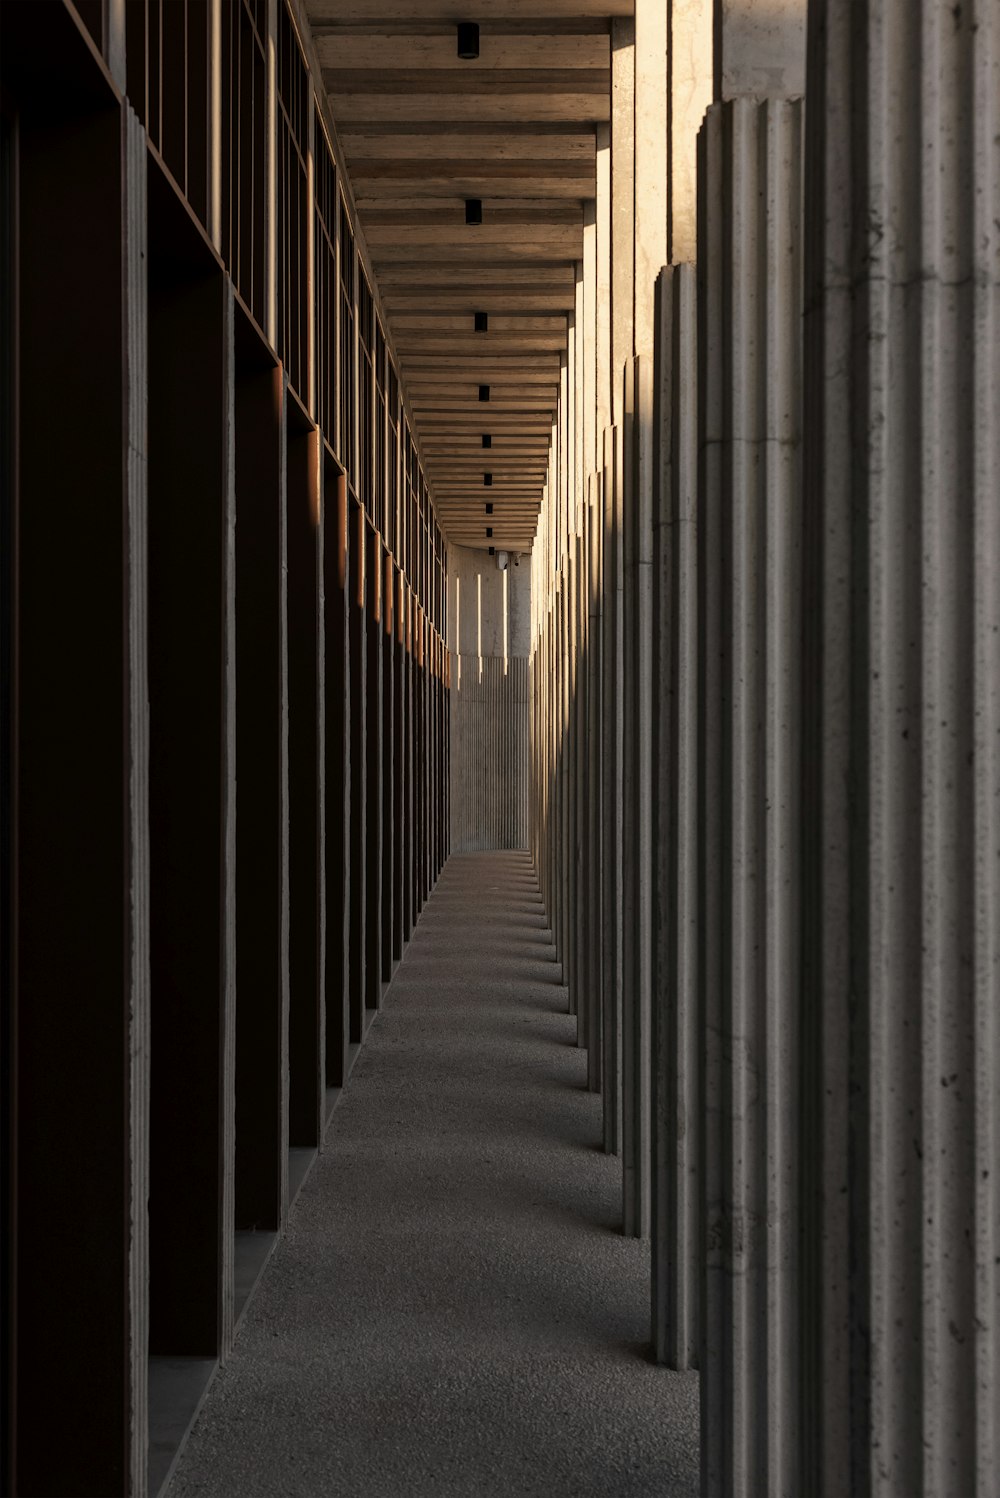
(473, 210)
(468, 40)
(482, 322)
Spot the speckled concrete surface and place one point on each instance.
(453, 1311)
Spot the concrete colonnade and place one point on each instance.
(791, 742)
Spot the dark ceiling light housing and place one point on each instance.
(492, 550)
(473, 210)
(487, 440)
(489, 531)
(489, 508)
(482, 322)
(487, 481)
(484, 392)
(468, 40)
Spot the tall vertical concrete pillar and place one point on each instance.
(749, 555)
(675, 1222)
(672, 869)
(649, 134)
(901, 986)
(636, 770)
(595, 1036)
(621, 249)
(611, 790)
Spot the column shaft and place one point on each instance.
(901, 990)
(748, 540)
(676, 1249)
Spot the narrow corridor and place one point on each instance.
(453, 1310)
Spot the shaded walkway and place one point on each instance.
(452, 1311)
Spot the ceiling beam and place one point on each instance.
(395, 48)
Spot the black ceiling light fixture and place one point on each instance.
(489, 508)
(482, 322)
(487, 481)
(468, 40)
(473, 210)
(492, 550)
(489, 531)
(484, 392)
(487, 440)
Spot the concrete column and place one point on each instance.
(901, 988)
(602, 329)
(622, 203)
(595, 1037)
(563, 662)
(759, 48)
(135, 315)
(589, 342)
(652, 24)
(611, 789)
(579, 803)
(676, 1249)
(748, 545)
(690, 77)
(649, 254)
(634, 877)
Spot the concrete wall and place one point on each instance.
(489, 611)
(489, 624)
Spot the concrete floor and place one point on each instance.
(453, 1311)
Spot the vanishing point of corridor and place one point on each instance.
(454, 1310)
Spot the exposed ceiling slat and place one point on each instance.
(395, 48)
(423, 131)
(484, 11)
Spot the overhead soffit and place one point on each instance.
(423, 131)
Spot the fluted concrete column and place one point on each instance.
(595, 1036)
(637, 775)
(748, 558)
(676, 1245)
(611, 789)
(901, 993)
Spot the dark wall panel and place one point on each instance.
(190, 392)
(262, 787)
(306, 1050)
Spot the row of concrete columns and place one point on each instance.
(788, 744)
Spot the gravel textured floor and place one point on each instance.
(453, 1311)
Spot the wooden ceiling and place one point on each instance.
(422, 132)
